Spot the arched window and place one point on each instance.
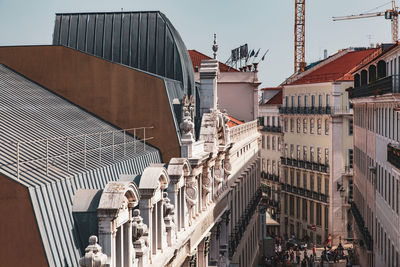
(364, 77)
(372, 73)
(381, 69)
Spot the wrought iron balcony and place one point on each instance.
(305, 193)
(387, 85)
(273, 129)
(305, 110)
(393, 155)
(361, 226)
(240, 228)
(305, 164)
(270, 176)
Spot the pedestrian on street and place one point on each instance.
(298, 253)
(314, 251)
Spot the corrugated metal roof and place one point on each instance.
(146, 40)
(29, 112)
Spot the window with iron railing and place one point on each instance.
(326, 126)
(319, 126)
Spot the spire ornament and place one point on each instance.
(215, 46)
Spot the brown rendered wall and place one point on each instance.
(122, 96)
(20, 240)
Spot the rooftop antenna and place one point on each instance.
(369, 36)
(215, 46)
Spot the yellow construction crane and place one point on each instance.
(389, 14)
(299, 35)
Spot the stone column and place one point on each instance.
(201, 254)
(129, 253)
(214, 247)
(147, 213)
(107, 236)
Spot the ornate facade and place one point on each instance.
(200, 210)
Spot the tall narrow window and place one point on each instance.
(319, 100)
(304, 180)
(351, 158)
(292, 101)
(263, 141)
(273, 142)
(304, 125)
(311, 154)
(319, 155)
(292, 151)
(268, 142)
(327, 100)
(312, 101)
(298, 152)
(319, 183)
(286, 101)
(350, 126)
(299, 101)
(326, 156)
(319, 126)
(326, 126)
(312, 126)
(292, 125)
(304, 153)
(279, 144)
(298, 125)
(285, 124)
(312, 182)
(306, 101)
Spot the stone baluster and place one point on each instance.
(93, 255)
(169, 220)
(140, 237)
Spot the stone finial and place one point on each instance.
(93, 255)
(139, 229)
(187, 125)
(215, 46)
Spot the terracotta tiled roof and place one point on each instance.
(275, 100)
(233, 122)
(271, 88)
(197, 57)
(337, 70)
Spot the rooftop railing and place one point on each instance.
(61, 151)
(242, 131)
(387, 85)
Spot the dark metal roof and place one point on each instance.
(30, 112)
(143, 40)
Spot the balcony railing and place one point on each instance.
(270, 176)
(305, 165)
(305, 110)
(304, 193)
(387, 85)
(242, 131)
(274, 129)
(241, 226)
(361, 226)
(393, 155)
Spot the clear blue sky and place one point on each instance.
(260, 23)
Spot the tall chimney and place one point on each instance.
(208, 85)
(325, 53)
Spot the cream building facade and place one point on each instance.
(271, 143)
(317, 154)
(199, 210)
(376, 99)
